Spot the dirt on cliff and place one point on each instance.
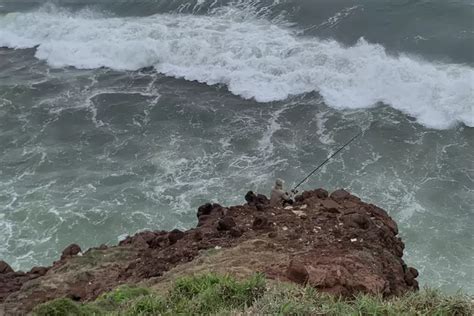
(335, 243)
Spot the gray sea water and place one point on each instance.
(119, 116)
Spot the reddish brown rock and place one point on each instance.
(297, 272)
(40, 271)
(204, 210)
(71, 250)
(357, 220)
(225, 223)
(340, 194)
(208, 208)
(321, 193)
(330, 206)
(260, 222)
(256, 199)
(343, 246)
(5, 267)
(235, 232)
(175, 235)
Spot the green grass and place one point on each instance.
(223, 295)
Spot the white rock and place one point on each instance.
(353, 239)
(299, 213)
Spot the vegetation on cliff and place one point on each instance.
(212, 294)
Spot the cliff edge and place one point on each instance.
(334, 242)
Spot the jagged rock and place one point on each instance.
(330, 206)
(297, 272)
(339, 194)
(321, 193)
(39, 270)
(357, 221)
(207, 209)
(175, 235)
(343, 247)
(250, 197)
(260, 222)
(256, 200)
(413, 272)
(225, 223)
(204, 209)
(202, 220)
(273, 234)
(236, 232)
(158, 241)
(197, 236)
(5, 267)
(71, 250)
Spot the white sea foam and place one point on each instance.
(253, 57)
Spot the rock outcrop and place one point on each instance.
(333, 242)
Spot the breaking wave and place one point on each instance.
(256, 58)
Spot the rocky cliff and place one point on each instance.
(335, 243)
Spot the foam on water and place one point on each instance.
(254, 57)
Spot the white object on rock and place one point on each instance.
(299, 213)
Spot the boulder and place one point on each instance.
(357, 220)
(5, 267)
(207, 209)
(39, 270)
(297, 272)
(256, 200)
(340, 194)
(236, 232)
(175, 235)
(330, 206)
(225, 223)
(321, 193)
(71, 250)
(260, 222)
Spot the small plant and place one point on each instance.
(120, 296)
(66, 307)
(210, 293)
(147, 305)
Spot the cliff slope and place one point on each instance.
(335, 243)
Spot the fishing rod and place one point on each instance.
(326, 161)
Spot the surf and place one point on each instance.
(253, 56)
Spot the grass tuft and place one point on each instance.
(212, 294)
(119, 296)
(66, 307)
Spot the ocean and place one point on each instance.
(121, 116)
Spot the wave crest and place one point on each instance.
(256, 58)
